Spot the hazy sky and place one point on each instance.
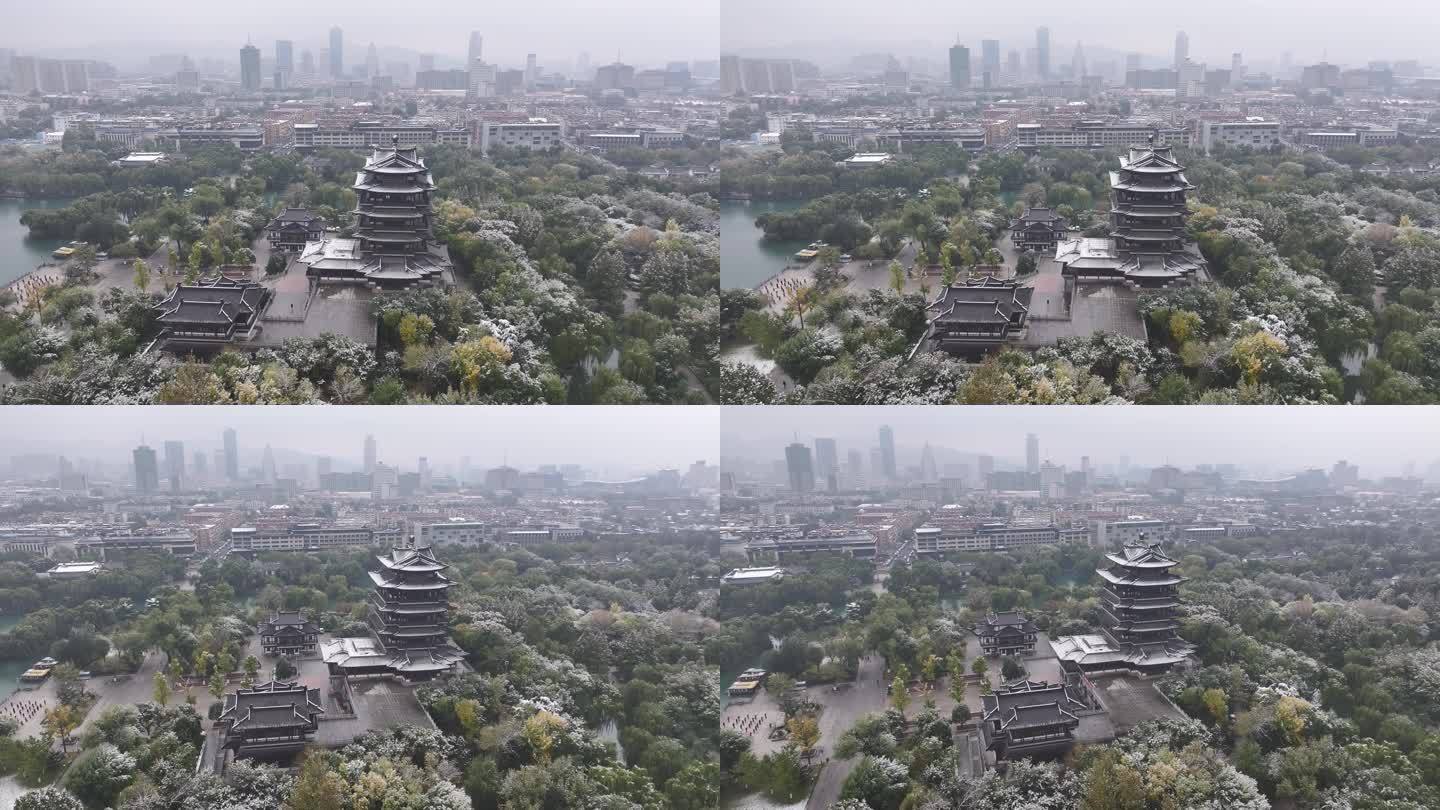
(644, 31)
(1356, 32)
(1379, 439)
(620, 440)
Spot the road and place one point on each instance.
(842, 711)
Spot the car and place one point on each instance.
(845, 257)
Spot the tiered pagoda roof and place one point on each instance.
(393, 246)
(1140, 607)
(1148, 245)
(408, 613)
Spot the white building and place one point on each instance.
(753, 576)
(536, 134)
(1240, 134)
(452, 533)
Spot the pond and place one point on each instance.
(19, 254)
(746, 258)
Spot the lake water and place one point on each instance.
(19, 254)
(746, 259)
(10, 787)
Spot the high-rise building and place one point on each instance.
(307, 66)
(369, 454)
(532, 71)
(855, 469)
(337, 52)
(582, 66)
(1182, 48)
(425, 480)
(322, 470)
(232, 456)
(887, 452)
(928, 473)
(427, 61)
(959, 67)
(147, 469)
(1042, 52)
(984, 466)
(827, 464)
(1237, 70)
(1077, 62)
(1032, 454)
(476, 43)
(372, 62)
(989, 62)
(250, 67)
(267, 467)
(175, 465)
(798, 465)
(284, 63)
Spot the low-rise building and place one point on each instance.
(1038, 229)
(753, 576)
(288, 634)
(1006, 634)
(536, 134)
(292, 228)
(1240, 134)
(273, 720)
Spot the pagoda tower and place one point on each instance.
(1147, 203)
(409, 610)
(392, 208)
(1140, 603)
(1148, 245)
(393, 246)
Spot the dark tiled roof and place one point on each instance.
(277, 704)
(989, 300)
(220, 301)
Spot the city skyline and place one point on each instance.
(1256, 437)
(518, 436)
(1313, 30)
(432, 27)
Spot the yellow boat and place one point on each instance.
(63, 252)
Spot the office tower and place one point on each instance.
(482, 81)
(989, 62)
(1182, 48)
(827, 465)
(1237, 70)
(1042, 52)
(797, 464)
(384, 482)
(425, 479)
(232, 456)
(284, 63)
(200, 463)
(307, 65)
(1032, 454)
(887, 452)
(267, 467)
(985, 465)
(147, 469)
(427, 61)
(1087, 471)
(372, 62)
(1014, 68)
(959, 67)
(250, 67)
(476, 41)
(175, 465)
(322, 470)
(337, 53)
(369, 454)
(531, 71)
(1077, 62)
(218, 462)
(855, 469)
(927, 464)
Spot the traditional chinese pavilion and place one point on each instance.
(288, 634)
(1147, 246)
(1140, 604)
(1029, 718)
(408, 614)
(270, 721)
(972, 318)
(393, 247)
(1006, 634)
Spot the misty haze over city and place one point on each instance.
(519, 436)
(554, 30)
(831, 33)
(1260, 439)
